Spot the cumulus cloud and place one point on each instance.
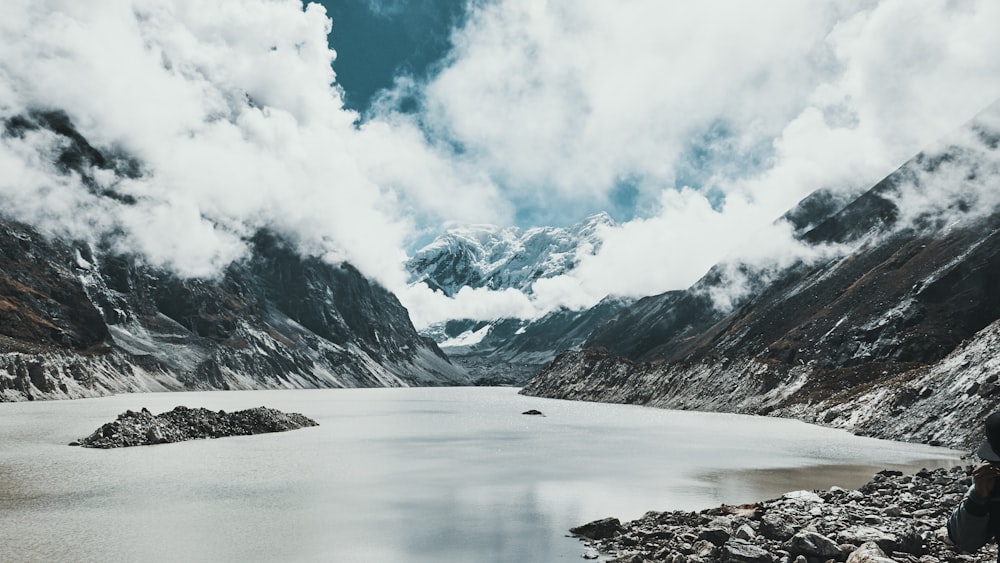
(233, 111)
(832, 95)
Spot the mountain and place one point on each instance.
(512, 351)
(498, 258)
(83, 319)
(509, 350)
(891, 331)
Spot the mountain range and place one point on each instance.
(510, 350)
(891, 331)
(81, 318)
(496, 258)
(883, 320)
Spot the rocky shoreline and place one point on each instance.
(143, 428)
(894, 517)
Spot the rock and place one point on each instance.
(740, 551)
(873, 519)
(776, 528)
(812, 544)
(869, 553)
(859, 535)
(899, 515)
(590, 553)
(745, 532)
(599, 529)
(155, 436)
(143, 428)
(716, 536)
(533, 412)
(703, 548)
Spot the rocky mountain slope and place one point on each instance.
(80, 319)
(508, 350)
(892, 335)
(512, 351)
(503, 257)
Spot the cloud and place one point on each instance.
(233, 111)
(712, 119)
(563, 100)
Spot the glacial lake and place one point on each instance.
(397, 476)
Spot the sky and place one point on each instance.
(360, 129)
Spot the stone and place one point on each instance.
(599, 529)
(869, 552)
(873, 519)
(775, 527)
(741, 551)
(859, 535)
(717, 536)
(703, 548)
(792, 529)
(745, 532)
(812, 544)
(533, 412)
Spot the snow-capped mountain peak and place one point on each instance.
(509, 257)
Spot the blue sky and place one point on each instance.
(377, 41)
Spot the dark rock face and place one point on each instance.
(82, 319)
(42, 303)
(894, 517)
(144, 429)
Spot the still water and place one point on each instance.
(396, 476)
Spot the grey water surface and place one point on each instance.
(397, 475)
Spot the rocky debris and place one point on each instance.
(144, 428)
(894, 518)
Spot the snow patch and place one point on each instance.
(467, 338)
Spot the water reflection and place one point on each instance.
(745, 486)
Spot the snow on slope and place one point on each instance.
(499, 258)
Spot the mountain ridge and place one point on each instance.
(856, 339)
(82, 318)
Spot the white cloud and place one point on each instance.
(564, 98)
(233, 109)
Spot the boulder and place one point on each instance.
(716, 536)
(599, 529)
(741, 551)
(812, 544)
(869, 552)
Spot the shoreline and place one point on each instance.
(898, 517)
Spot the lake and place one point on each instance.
(397, 475)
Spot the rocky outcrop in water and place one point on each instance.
(144, 428)
(894, 517)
